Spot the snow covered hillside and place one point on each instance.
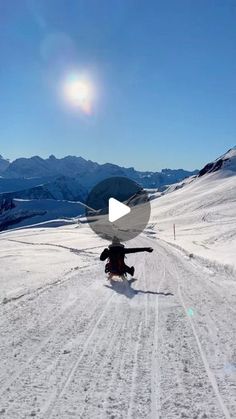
(62, 188)
(60, 198)
(160, 345)
(75, 345)
(32, 211)
(226, 163)
(203, 209)
(8, 185)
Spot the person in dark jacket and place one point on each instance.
(115, 254)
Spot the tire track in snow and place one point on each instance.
(131, 375)
(210, 374)
(33, 371)
(60, 246)
(61, 392)
(170, 261)
(66, 312)
(155, 379)
(118, 396)
(89, 375)
(117, 360)
(143, 273)
(134, 373)
(137, 363)
(107, 369)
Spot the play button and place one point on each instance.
(118, 207)
(117, 210)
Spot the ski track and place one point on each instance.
(79, 349)
(13, 326)
(211, 376)
(213, 380)
(78, 360)
(155, 408)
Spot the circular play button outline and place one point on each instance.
(118, 207)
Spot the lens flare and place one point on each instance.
(190, 312)
(78, 91)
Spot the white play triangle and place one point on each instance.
(117, 210)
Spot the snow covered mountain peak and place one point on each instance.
(226, 163)
(230, 153)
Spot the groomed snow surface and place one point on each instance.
(74, 345)
(159, 346)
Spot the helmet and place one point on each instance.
(116, 243)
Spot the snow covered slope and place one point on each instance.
(42, 203)
(203, 210)
(62, 188)
(31, 212)
(74, 345)
(225, 163)
(20, 184)
(158, 346)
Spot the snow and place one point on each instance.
(13, 185)
(204, 214)
(75, 345)
(33, 211)
(39, 253)
(160, 345)
(62, 188)
(224, 163)
(229, 159)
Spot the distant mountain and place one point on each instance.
(87, 172)
(20, 184)
(3, 164)
(223, 166)
(35, 190)
(37, 167)
(226, 162)
(62, 188)
(21, 213)
(56, 189)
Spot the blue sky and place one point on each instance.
(164, 73)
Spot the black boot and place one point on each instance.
(132, 271)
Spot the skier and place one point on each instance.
(115, 253)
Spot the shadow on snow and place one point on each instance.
(124, 287)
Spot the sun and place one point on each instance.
(78, 91)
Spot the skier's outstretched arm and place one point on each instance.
(138, 249)
(105, 254)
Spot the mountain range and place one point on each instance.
(44, 194)
(30, 172)
(224, 166)
(34, 190)
(3, 164)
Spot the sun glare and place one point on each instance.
(78, 92)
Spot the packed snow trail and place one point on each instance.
(161, 347)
